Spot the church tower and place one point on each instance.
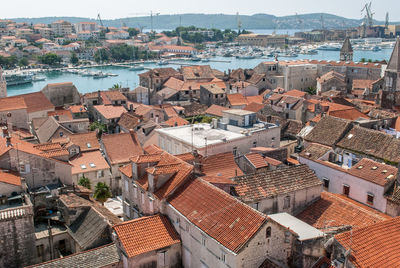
(391, 89)
(346, 52)
(3, 85)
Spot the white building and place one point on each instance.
(210, 139)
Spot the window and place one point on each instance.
(268, 232)
(346, 189)
(151, 203)
(287, 237)
(61, 134)
(142, 195)
(126, 186)
(100, 173)
(135, 191)
(163, 258)
(255, 206)
(254, 143)
(370, 199)
(89, 145)
(286, 202)
(203, 240)
(223, 256)
(234, 151)
(326, 183)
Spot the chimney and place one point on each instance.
(56, 117)
(99, 97)
(8, 141)
(5, 131)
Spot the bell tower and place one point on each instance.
(3, 85)
(346, 52)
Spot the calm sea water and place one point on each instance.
(131, 79)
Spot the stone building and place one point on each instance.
(390, 94)
(346, 52)
(61, 94)
(292, 242)
(148, 242)
(283, 190)
(212, 94)
(155, 78)
(17, 242)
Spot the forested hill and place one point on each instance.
(219, 21)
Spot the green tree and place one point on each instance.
(85, 182)
(74, 58)
(133, 31)
(50, 59)
(116, 86)
(102, 55)
(102, 192)
(363, 60)
(311, 91)
(23, 62)
(101, 128)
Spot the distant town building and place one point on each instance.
(3, 85)
(262, 40)
(61, 28)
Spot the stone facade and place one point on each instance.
(17, 236)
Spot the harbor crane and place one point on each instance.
(387, 20)
(151, 17)
(368, 15)
(99, 19)
(239, 23)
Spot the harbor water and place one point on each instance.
(129, 78)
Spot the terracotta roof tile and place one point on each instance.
(85, 159)
(10, 177)
(146, 234)
(256, 160)
(126, 170)
(152, 149)
(176, 121)
(254, 107)
(336, 211)
(77, 109)
(362, 84)
(217, 213)
(174, 83)
(186, 157)
(218, 180)
(374, 245)
(328, 131)
(222, 164)
(371, 142)
(295, 93)
(314, 151)
(128, 121)
(271, 183)
(216, 110)
(110, 112)
(373, 171)
(236, 99)
(10, 104)
(86, 141)
(121, 147)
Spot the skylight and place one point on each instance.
(89, 145)
(83, 166)
(92, 165)
(374, 168)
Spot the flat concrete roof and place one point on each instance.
(302, 229)
(237, 112)
(199, 133)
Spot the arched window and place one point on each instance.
(268, 232)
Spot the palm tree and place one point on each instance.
(102, 192)
(85, 182)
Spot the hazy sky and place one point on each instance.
(127, 8)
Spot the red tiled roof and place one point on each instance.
(295, 93)
(186, 157)
(176, 121)
(221, 165)
(77, 109)
(256, 160)
(126, 170)
(110, 112)
(84, 139)
(121, 147)
(216, 110)
(254, 107)
(218, 180)
(217, 213)
(335, 211)
(10, 104)
(94, 157)
(362, 84)
(374, 245)
(174, 83)
(375, 172)
(272, 161)
(146, 234)
(236, 99)
(10, 177)
(152, 149)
